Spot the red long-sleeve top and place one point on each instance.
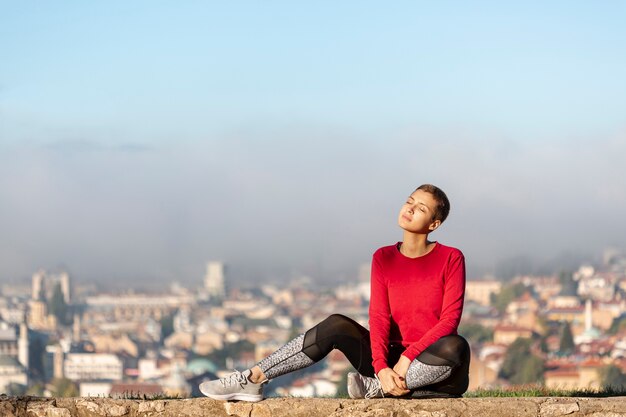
(414, 301)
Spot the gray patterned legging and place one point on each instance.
(443, 366)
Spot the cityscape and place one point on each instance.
(187, 186)
(564, 331)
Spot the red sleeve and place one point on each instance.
(451, 308)
(380, 317)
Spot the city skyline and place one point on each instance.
(563, 331)
(138, 142)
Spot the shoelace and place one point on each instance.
(374, 388)
(234, 378)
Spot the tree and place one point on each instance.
(566, 343)
(15, 389)
(342, 387)
(232, 350)
(63, 387)
(515, 354)
(36, 355)
(35, 390)
(531, 372)
(508, 293)
(476, 333)
(57, 305)
(612, 377)
(520, 366)
(618, 325)
(167, 326)
(568, 285)
(543, 344)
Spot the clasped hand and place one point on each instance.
(393, 380)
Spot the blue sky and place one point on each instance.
(156, 68)
(158, 109)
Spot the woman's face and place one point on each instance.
(416, 215)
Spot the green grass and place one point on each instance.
(540, 391)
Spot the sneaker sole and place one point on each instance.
(352, 394)
(431, 395)
(353, 388)
(253, 398)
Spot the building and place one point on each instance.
(604, 313)
(574, 315)
(8, 340)
(38, 317)
(585, 375)
(115, 343)
(506, 334)
(93, 367)
(599, 286)
(214, 280)
(481, 291)
(523, 311)
(544, 287)
(14, 344)
(11, 372)
(132, 307)
(482, 374)
(43, 285)
(565, 378)
(95, 389)
(38, 286)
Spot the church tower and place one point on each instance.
(22, 346)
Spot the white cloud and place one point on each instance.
(307, 200)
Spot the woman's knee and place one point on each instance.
(339, 324)
(328, 334)
(318, 340)
(449, 350)
(336, 319)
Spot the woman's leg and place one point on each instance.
(335, 332)
(287, 359)
(420, 374)
(442, 367)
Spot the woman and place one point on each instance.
(417, 290)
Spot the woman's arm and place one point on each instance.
(380, 316)
(380, 320)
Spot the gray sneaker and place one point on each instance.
(360, 386)
(235, 386)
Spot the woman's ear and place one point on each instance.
(434, 225)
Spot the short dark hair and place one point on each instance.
(443, 204)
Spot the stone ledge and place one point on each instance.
(314, 407)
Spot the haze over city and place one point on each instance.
(138, 141)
